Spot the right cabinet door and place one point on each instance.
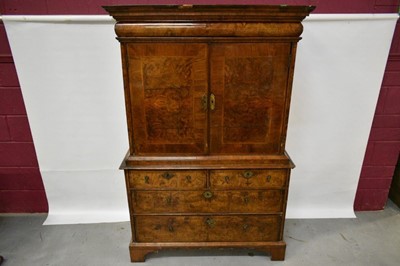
(249, 84)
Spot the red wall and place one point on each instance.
(21, 187)
(384, 140)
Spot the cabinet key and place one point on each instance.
(168, 175)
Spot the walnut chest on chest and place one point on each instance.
(207, 93)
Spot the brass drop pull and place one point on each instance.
(246, 199)
(168, 175)
(212, 101)
(169, 200)
(210, 222)
(268, 178)
(170, 225)
(207, 194)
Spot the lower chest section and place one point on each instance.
(207, 205)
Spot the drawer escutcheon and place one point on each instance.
(168, 175)
(207, 194)
(248, 174)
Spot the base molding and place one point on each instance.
(138, 251)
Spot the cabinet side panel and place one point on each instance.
(125, 71)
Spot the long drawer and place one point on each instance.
(208, 201)
(207, 228)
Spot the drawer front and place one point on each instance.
(245, 201)
(254, 178)
(207, 228)
(167, 179)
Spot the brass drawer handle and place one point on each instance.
(207, 194)
(170, 228)
(169, 200)
(168, 175)
(210, 222)
(245, 226)
(170, 225)
(246, 199)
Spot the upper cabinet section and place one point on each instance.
(208, 80)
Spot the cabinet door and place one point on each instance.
(249, 82)
(167, 83)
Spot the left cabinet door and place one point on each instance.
(167, 93)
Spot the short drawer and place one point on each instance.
(245, 201)
(254, 178)
(167, 179)
(207, 228)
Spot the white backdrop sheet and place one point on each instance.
(70, 73)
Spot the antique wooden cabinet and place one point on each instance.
(207, 92)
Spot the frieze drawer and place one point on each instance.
(167, 179)
(207, 228)
(252, 178)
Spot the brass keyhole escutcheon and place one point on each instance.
(210, 222)
(207, 194)
(188, 178)
(268, 178)
(146, 179)
(248, 174)
(168, 175)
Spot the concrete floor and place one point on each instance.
(371, 239)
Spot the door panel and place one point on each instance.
(249, 84)
(168, 82)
